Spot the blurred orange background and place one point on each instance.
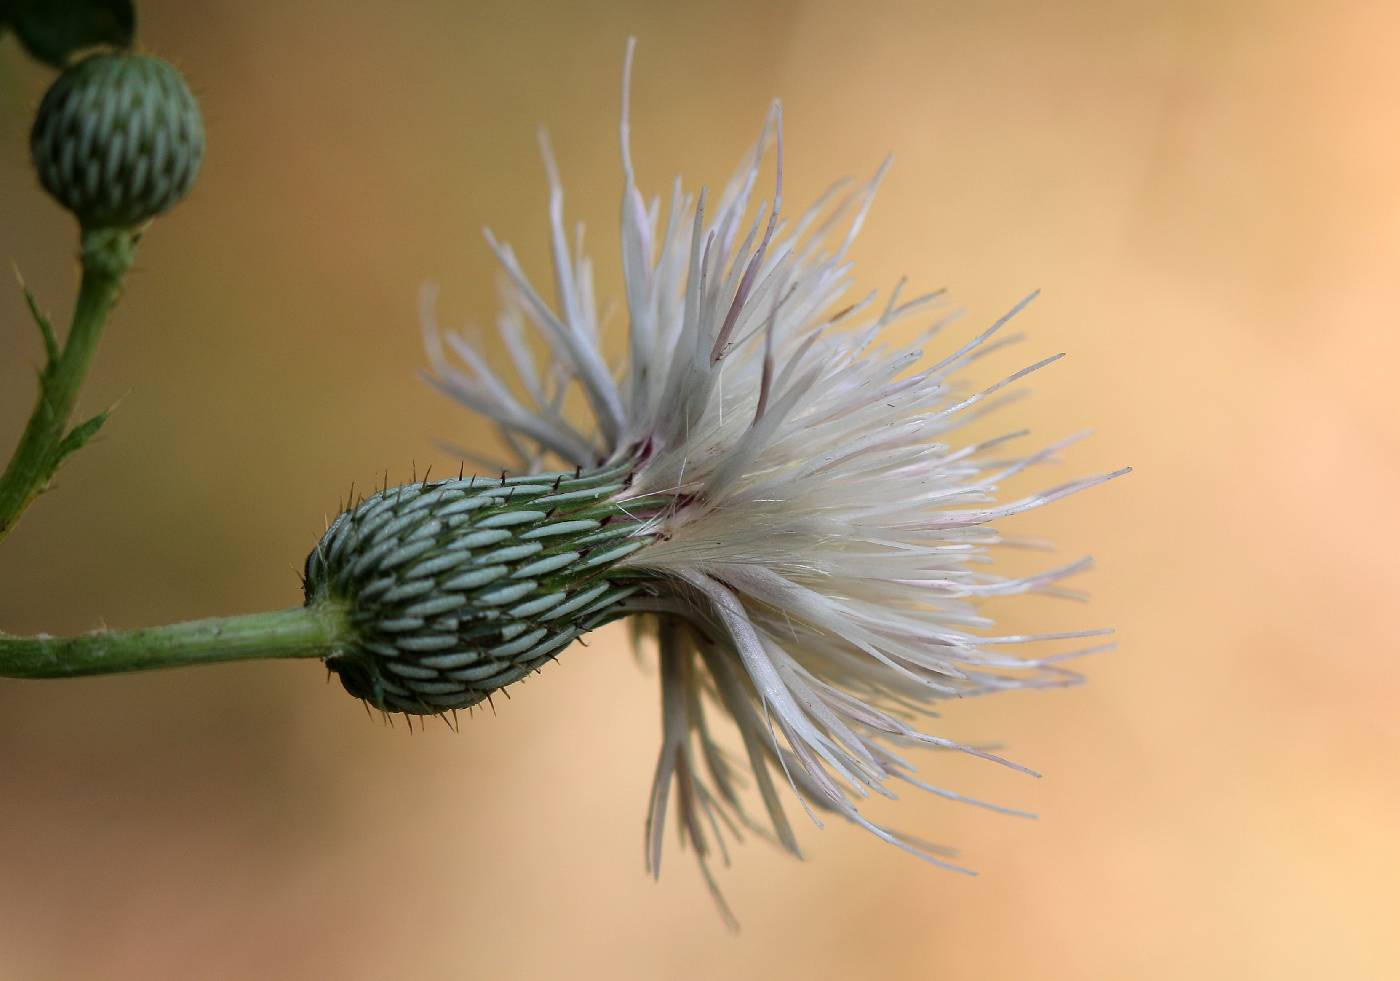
(1208, 195)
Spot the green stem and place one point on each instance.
(107, 255)
(314, 631)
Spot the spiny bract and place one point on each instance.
(118, 139)
(458, 588)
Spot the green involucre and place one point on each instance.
(457, 588)
(118, 139)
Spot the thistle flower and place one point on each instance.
(775, 493)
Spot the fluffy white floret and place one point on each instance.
(827, 530)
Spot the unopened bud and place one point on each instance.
(118, 139)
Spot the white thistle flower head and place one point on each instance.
(813, 529)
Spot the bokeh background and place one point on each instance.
(1209, 195)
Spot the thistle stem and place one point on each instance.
(106, 256)
(313, 631)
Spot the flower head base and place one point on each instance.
(458, 588)
(813, 543)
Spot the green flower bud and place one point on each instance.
(457, 588)
(118, 139)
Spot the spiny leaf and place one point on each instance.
(45, 328)
(53, 30)
(78, 437)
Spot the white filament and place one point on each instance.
(830, 531)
